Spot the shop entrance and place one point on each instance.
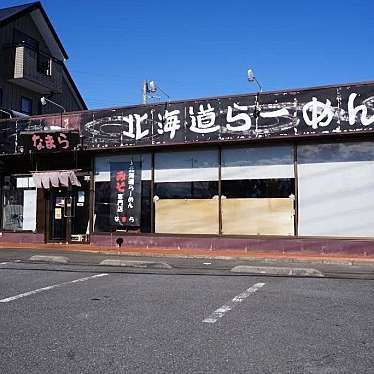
(69, 213)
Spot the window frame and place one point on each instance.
(23, 99)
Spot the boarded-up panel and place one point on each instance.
(272, 216)
(336, 189)
(187, 216)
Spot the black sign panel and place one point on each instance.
(48, 141)
(126, 193)
(294, 113)
(263, 115)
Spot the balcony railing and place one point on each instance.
(32, 69)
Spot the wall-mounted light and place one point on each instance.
(45, 101)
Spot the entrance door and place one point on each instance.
(69, 213)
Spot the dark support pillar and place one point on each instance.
(92, 196)
(69, 213)
(219, 190)
(152, 191)
(296, 203)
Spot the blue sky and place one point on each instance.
(203, 48)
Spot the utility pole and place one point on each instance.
(150, 87)
(145, 91)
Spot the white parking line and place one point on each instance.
(49, 288)
(220, 312)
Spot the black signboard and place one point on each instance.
(341, 109)
(48, 141)
(126, 193)
(298, 113)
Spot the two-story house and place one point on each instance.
(32, 64)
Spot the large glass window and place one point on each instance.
(19, 203)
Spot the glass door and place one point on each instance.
(69, 213)
(58, 217)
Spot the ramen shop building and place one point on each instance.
(288, 170)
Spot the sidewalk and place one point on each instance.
(268, 256)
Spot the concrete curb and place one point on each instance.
(271, 260)
(273, 270)
(50, 259)
(136, 264)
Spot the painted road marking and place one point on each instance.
(8, 299)
(220, 312)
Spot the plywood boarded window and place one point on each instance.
(267, 216)
(258, 190)
(186, 192)
(187, 216)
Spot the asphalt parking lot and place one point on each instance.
(81, 322)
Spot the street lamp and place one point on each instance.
(44, 102)
(251, 78)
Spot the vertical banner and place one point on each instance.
(126, 193)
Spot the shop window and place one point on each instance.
(186, 192)
(258, 190)
(186, 207)
(105, 204)
(19, 204)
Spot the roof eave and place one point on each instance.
(37, 6)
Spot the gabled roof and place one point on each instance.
(41, 20)
(12, 11)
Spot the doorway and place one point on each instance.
(69, 213)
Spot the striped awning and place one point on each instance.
(59, 178)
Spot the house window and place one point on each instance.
(44, 64)
(26, 105)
